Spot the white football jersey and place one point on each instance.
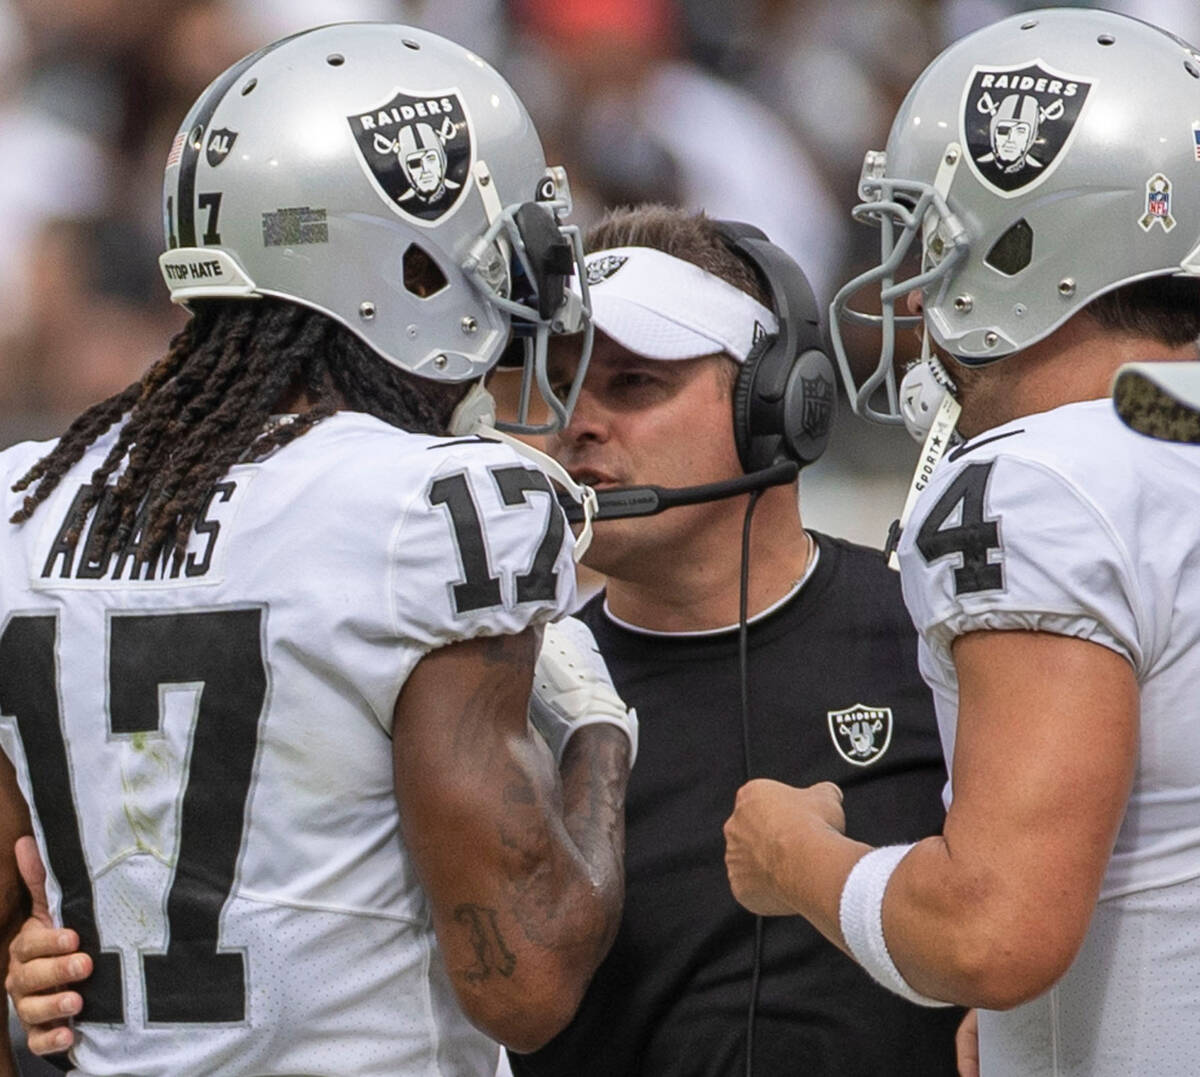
(207, 745)
(1068, 522)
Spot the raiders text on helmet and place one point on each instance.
(388, 178)
(1035, 165)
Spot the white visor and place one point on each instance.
(661, 307)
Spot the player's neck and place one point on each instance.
(701, 590)
(297, 399)
(1076, 362)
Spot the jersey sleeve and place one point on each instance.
(482, 548)
(1010, 543)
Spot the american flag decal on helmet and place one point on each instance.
(176, 149)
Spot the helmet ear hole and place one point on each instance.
(1013, 251)
(423, 277)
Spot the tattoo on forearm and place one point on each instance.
(504, 689)
(541, 878)
(491, 953)
(519, 789)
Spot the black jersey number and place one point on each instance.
(480, 589)
(972, 537)
(220, 653)
(211, 203)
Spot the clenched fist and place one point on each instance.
(773, 831)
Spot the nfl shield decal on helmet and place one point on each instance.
(1158, 204)
(1017, 122)
(861, 734)
(418, 150)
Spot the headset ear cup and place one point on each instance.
(786, 392)
(743, 394)
(809, 407)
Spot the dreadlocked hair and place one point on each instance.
(207, 405)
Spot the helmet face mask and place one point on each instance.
(373, 172)
(1035, 165)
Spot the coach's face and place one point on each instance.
(640, 421)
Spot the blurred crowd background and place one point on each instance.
(755, 109)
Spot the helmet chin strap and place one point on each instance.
(475, 408)
(930, 410)
(922, 390)
(476, 416)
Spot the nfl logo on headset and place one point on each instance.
(1196, 139)
(861, 734)
(818, 406)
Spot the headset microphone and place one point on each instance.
(647, 500)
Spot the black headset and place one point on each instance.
(785, 397)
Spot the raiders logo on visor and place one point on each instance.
(600, 269)
(418, 151)
(1017, 122)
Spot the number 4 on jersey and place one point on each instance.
(973, 537)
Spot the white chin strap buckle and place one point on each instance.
(923, 388)
(474, 410)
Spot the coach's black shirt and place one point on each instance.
(834, 694)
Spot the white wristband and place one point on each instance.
(860, 914)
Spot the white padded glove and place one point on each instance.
(572, 689)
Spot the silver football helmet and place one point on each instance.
(1035, 165)
(392, 180)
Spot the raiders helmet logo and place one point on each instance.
(418, 150)
(220, 142)
(600, 269)
(861, 734)
(1017, 122)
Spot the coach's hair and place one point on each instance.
(1166, 309)
(691, 237)
(207, 405)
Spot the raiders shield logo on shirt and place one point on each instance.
(861, 734)
(1017, 121)
(418, 151)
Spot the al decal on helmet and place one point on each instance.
(1017, 122)
(418, 151)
